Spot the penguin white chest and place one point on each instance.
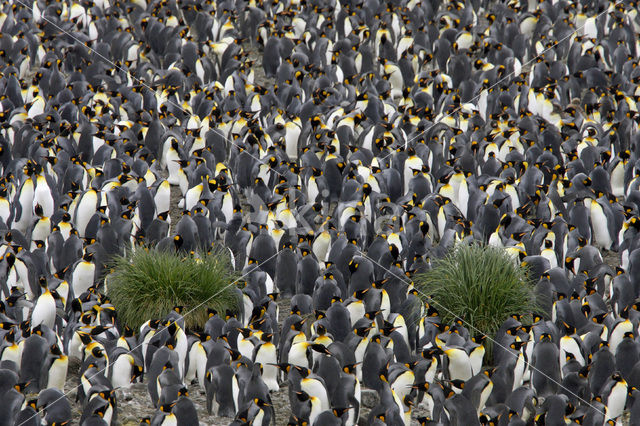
(599, 223)
(82, 277)
(58, 373)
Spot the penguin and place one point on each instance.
(600, 222)
(124, 368)
(54, 405)
(545, 374)
(14, 401)
(197, 359)
(164, 416)
(29, 415)
(23, 203)
(44, 310)
(85, 208)
(458, 364)
(163, 359)
(54, 369)
(34, 350)
(615, 395)
(184, 409)
(265, 354)
(83, 274)
(222, 390)
(478, 389)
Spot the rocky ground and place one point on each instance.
(134, 403)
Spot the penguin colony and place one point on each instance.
(388, 131)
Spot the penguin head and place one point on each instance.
(11, 259)
(37, 209)
(246, 332)
(545, 337)
(360, 294)
(100, 410)
(568, 329)
(172, 327)
(361, 331)
(97, 352)
(479, 339)
(457, 383)
(20, 387)
(166, 408)
(107, 395)
(302, 396)
(55, 350)
(136, 372)
(353, 266)
(317, 347)
(261, 403)
(285, 367)
(339, 412)
(171, 342)
(371, 315)
(42, 280)
(9, 337)
(617, 377)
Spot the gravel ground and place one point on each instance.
(134, 403)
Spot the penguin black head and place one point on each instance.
(42, 280)
(617, 377)
(360, 294)
(20, 387)
(260, 403)
(172, 327)
(302, 396)
(320, 349)
(361, 331)
(166, 408)
(371, 315)
(9, 337)
(101, 410)
(350, 368)
(171, 342)
(11, 259)
(178, 241)
(55, 350)
(479, 339)
(568, 329)
(246, 332)
(545, 337)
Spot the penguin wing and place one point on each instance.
(17, 210)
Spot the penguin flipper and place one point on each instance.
(17, 212)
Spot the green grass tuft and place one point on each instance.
(482, 285)
(148, 283)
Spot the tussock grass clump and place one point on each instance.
(482, 285)
(148, 283)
